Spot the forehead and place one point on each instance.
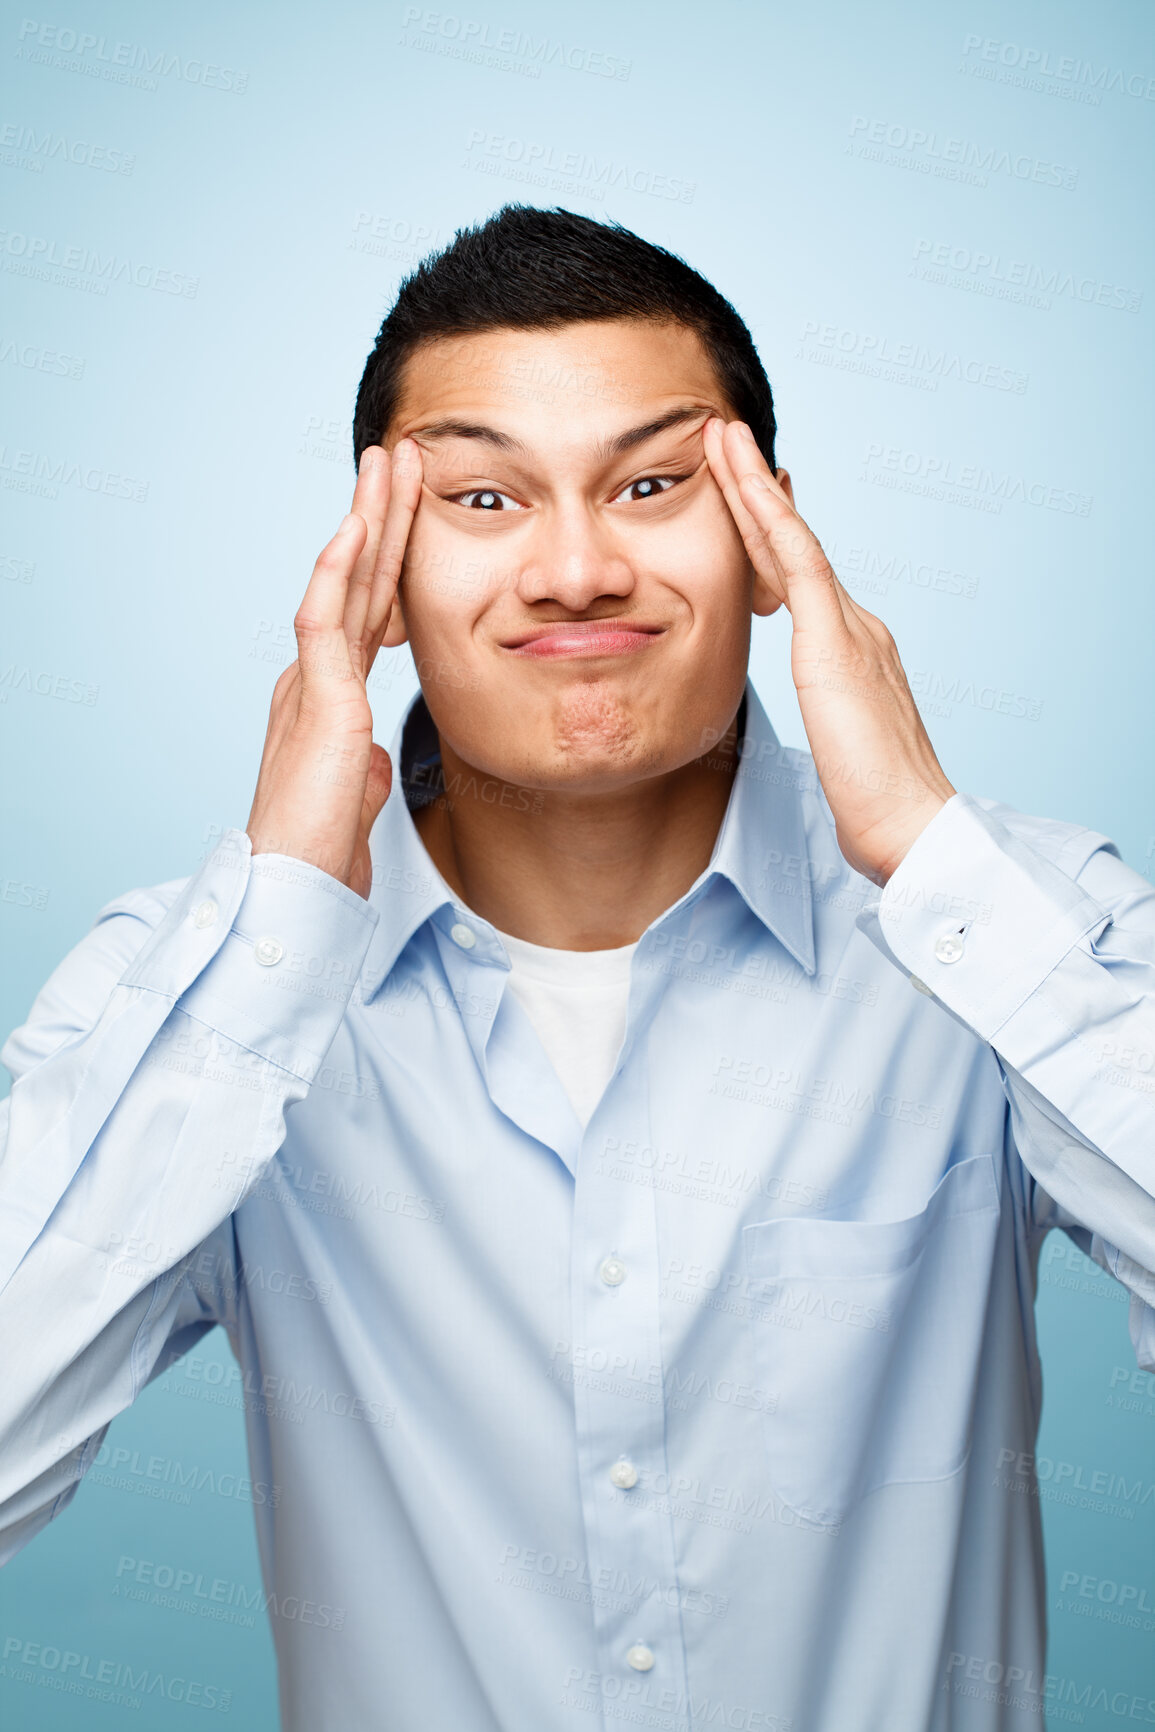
(589, 376)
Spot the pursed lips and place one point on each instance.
(599, 637)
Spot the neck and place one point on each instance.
(585, 871)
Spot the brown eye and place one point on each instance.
(649, 487)
(487, 499)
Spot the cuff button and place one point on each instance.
(949, 947)
(268, 951)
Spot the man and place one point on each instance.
(617, 1147)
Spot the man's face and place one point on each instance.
(575, 590)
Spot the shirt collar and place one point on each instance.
(761, 848)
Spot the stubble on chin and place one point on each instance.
(593, 726)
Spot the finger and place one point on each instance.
(283, 707)
(323, 649)
(370, 498)
(748, 528)
(404, 494)
(812, 591)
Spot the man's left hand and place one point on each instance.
(872, 753)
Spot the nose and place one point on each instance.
(574, 560)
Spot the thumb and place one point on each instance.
(377, 785)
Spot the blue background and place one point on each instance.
(932, 220)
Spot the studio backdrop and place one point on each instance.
(934, 221)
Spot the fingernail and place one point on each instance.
(346, 523)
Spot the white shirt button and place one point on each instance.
(624, 1475)
(463, 935)
(640, 1657)
(612, 1271)
(205, 912)
(921, 986)
(949, 947)
(268, 951)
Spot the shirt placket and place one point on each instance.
(619, 1398)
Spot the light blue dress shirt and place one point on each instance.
(718, 1414)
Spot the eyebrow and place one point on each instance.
(605, 449)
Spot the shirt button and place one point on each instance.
(624, 1475)
(949, 947)
(268, 951)
(463, 935)
(640, 1657)
(205, 913)
(921, 986)
(612, 1271)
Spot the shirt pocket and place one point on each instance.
(868, 1333)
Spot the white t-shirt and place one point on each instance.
(577, 1001)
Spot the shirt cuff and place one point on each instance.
(976, 917)
(279, 982)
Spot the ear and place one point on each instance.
(396, 631)
(765, 600)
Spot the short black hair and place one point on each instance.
(531, 269)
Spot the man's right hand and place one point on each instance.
(323, 779)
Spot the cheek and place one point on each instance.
(447, 581)
(700, 554)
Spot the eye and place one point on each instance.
(649, 487)
(486, 499)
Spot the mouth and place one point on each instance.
(596, 637)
